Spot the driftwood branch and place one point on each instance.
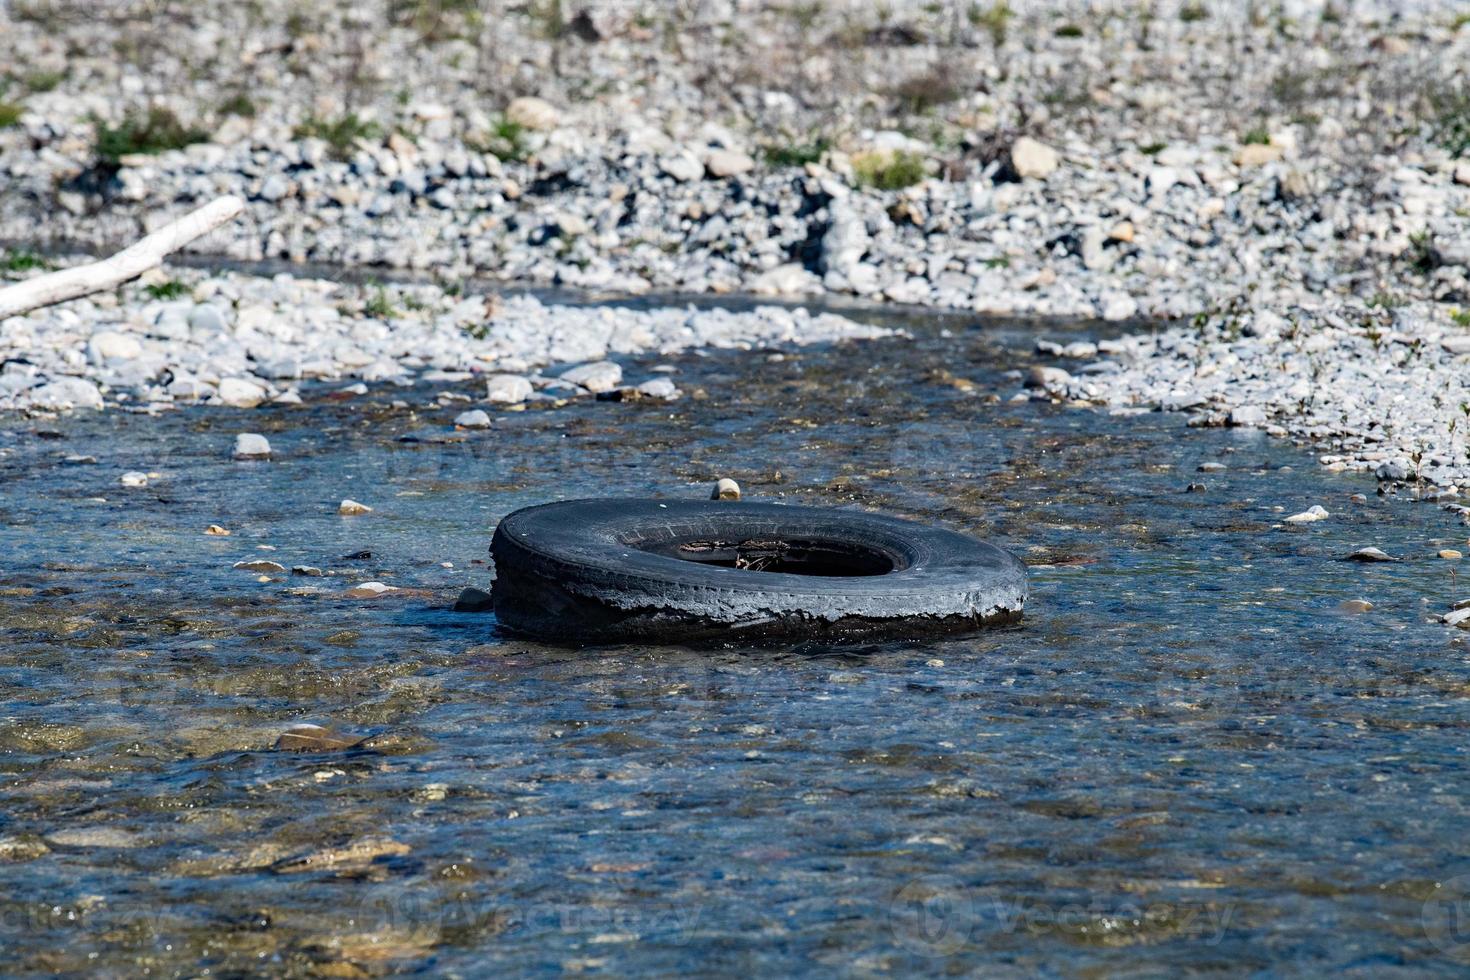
(130, 263)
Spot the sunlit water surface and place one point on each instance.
(1186, 757)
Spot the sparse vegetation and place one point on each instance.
(341, 134)
(1193, 11)
(9, 113)
(378, 305)
(1256, 136)
(238, 104)
(796, 154)
(889, 171)
(1421, 252)
(21, 260)
(153, 131)
(1068, 30)
(995, 19)
(437, 20)
(43, 81)
(1461, 318)
(506, 140)
(172, 289)
(1448, 114)
(933, 87)
(1152, 149)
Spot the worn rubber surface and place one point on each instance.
(614, 570)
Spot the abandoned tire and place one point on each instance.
(591, 571)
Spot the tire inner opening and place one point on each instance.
(788, 556)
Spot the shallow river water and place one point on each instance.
(1186, 757)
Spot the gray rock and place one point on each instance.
(473, 419)
(595, 377)
(507, 388)
(250, 445)
(661, 388)
(65, 393)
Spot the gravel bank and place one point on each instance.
(1297, 175)
(244, 340)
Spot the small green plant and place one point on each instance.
(172, 289)
(1152, 149)
(998, 262)
(21, 260)
(43, 81)
(1384, 301)
(378, 305)
(238, 104)
(153, 131)
(1458, 22)
(341, 133)
(796, 154)
(995, 19)
(9, 113)
(1256, 136)
(1461, 318)
(436, 20)
(889, 172)
(1448, 114)
(507, 140)
(1068, 30)
(1421, 252)
(1193, 11)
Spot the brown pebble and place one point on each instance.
(1450, 554)
(1355, 605)
(314, 738)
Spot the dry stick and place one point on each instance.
(130, 263)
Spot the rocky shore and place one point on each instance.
(1289, 182)
(243, 341)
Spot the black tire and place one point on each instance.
(672, 570)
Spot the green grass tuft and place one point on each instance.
(21, 260)
(795, 154)
(153, 131)
(889, 173)
(341, 133)
(172, 289)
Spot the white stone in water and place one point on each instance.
(658, 388)
(725, 489)
(1370, 554)
(1312, 514)
(240, 393)
(367, 590)
(133, 478)
(65, 393)
(1248, 415)
(263, 565)
(1459, 617)
(474, 419)
(351, 508)
(507, 388)
(597, 376)
(251, 445)
(1050, 378)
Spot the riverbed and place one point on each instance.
(1189, 754)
